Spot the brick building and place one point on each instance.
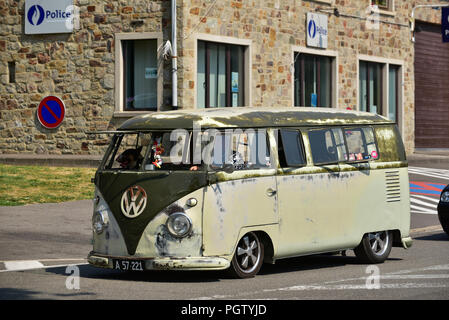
(230, 53)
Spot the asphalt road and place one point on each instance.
(45, 239)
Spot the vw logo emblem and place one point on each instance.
(312, 29)
(134, 201)
(36, 15)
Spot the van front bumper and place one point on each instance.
(187, 263)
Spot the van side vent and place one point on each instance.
(393, 186)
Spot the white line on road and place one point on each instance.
(410, 285)
(426, 204)
(434, 173)
(431, 199)
(418, 209)
(24, 265)
(441, 171)
(332, 285)
(49, 260)
(431, 268)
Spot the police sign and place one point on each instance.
(48, 16)
(316, 30)
(445, 24)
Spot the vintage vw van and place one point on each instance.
(235, 187)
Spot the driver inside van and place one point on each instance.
(130, 158)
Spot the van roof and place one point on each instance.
(250, 117)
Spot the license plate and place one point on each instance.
(128, 265)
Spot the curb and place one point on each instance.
(418, 160)
(86, 161)
(426, 229)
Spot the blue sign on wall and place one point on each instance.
(445, 23)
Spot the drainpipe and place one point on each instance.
(412, 19)
(174, 57)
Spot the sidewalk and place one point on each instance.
(89, 161)
(436, 158)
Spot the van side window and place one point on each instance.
(327, 145)
(361, 144)
(245, 150)
(126, 151)
(291, 149)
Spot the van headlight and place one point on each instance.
(445, 196)
(99, 222)
(179, 225)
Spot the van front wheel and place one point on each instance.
(375, 247)
(248, 256)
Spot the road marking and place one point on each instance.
(423, 204)
(429, 172)
(24, 265)
(440, 267)
(426, 188)
(410, 285)
(50, 260)
(338, 285)
(417, 209)
(431, 199)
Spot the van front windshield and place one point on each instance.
(214, 149)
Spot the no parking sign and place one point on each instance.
(51, 112)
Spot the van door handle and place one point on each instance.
(271, 192)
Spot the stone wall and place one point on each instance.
(79, 67)
(274, 26)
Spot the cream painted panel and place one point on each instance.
(231, 205)
(110, 241)
(332, 212)
(368, 201)
(312, 215)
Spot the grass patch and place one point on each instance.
(20, 185)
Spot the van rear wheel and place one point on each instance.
(248, 257)
(375, 247)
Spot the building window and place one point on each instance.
(220, 75)
(140, 74)
(393, 92)
(371, 93)
(383, 4)
(313, 80)
(12, 71)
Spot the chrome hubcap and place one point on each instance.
(248, 253)
(378, 242)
